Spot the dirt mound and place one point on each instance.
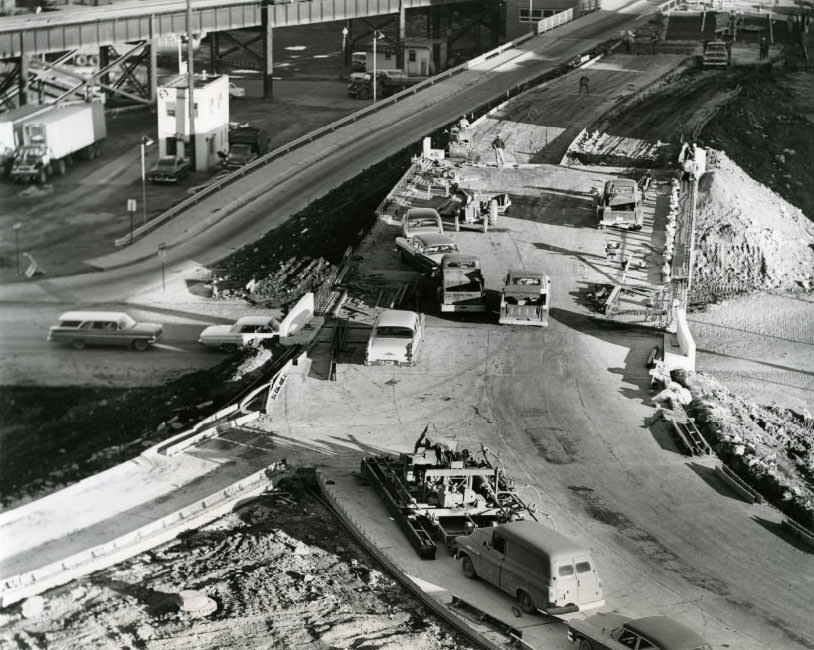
(748, 237)
(770, 448)
(281, 572)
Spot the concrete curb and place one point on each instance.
(17, 587)
(435, 605)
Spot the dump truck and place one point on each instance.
(53, 138)
(462, 285)
(388, 82)
(716, 55)
(619, 205)
(245, 144)
(525, 298)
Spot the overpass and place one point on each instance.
(141, 24)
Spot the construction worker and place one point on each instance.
(498, 146)
(583, 85)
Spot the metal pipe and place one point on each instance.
(191, 88)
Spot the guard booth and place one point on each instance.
(424, 57)
(211, 97)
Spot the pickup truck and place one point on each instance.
(239, 155)
(620, 204)
(525, 298)
(462, 285)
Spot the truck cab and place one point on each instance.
(462, 285)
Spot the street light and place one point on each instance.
(343, 56)
(376, 36)
(145, 142)
(16, 228)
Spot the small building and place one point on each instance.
(425, 56)
(211, 95)
(522, 15)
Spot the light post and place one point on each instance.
(343, 55)
(145, 142)
(16, 228)
(162, 254)
(376, 36)
(531, 6)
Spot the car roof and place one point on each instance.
(414, 213)
(622, 182)
(666, 633)
(396, 318)
(433, 238)
(515, 273)
(538, 535)
(254, 320)
(92, 315)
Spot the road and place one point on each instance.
(202, 237)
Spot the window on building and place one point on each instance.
(171, 109)
(411, 56)
(536, 14)
(548, 12)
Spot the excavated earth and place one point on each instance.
(280, 571)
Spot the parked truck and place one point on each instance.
(525, 298)
(245, 144)
(388, 82)
(619, 204)
(53, 138)
(11, 131)
(462, 285)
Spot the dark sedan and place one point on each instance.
(168, 169)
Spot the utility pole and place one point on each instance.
(191, 87)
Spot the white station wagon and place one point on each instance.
(395, 338)
(83, 328)
(246, 331)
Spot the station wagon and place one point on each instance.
(83, 328)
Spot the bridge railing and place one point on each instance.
(271, 156)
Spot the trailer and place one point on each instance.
(440, 492)
(53, 138)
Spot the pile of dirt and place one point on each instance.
(280, 570)
(771, 448)
(747, 237)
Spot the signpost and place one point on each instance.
(162, 253)
(16, 228)
(131, 208)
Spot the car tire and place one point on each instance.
(140, 345)
(229, 347)
(525, 603)
(584, 644)
(78, 344)
(468, 568)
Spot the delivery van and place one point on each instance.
(541, 568)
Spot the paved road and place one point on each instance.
(203, 235)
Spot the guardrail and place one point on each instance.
(738, 485)
(17, 587)
(269, 157)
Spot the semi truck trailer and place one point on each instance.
(55, 137)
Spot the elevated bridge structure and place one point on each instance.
(142, 23)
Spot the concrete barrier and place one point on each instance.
(435, 605)
(17, 587)
(679, 347)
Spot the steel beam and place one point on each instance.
(131, 21)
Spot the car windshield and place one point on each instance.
(166, 163)
(422, 223)
(394, 332)
(526, 282)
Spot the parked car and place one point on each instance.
(83, 328)
(248, 330)
(418, 221)
(395, 338)
(651, 633)
(239, 155)
(236, 91)
(169, 169)
(425, 251)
